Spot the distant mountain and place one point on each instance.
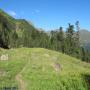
(85, 38)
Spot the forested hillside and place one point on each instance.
(16, 33)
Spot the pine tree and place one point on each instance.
(70, 39)
(83, 54)
(77, 34)
(60, 39)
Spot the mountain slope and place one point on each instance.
(42, 69)
(85, 38)
(15, 32)
(7, 20)
(15, 24)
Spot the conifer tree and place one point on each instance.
(70, 39)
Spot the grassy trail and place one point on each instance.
(19, 79)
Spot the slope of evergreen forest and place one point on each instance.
(15, 33)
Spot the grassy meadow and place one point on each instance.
(42, 69)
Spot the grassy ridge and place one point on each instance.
(37, 67)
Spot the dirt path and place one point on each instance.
(18, 78)
(20, 82)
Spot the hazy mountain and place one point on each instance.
(85, 38)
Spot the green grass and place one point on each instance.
(36, 67)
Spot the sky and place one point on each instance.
(50, 14)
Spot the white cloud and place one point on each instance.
(12, 13)
(37, 11)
